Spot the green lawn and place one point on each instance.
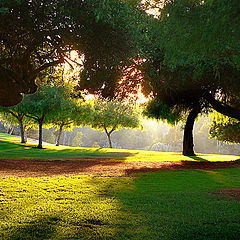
(165, 205)
(10, 148)
(176, 204)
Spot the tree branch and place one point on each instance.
(69, 63)
(223, 109)
(113, 129)
(15, 115)
(44, 66)
(72, 60)
(35, 118)
(105, 129)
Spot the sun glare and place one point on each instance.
(140, 97)
(72, 66)
(154, 6)
(74, 63)
(89, 97)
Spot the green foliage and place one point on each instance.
(224, 129)
(200, 31)
(83, 113)
(192, 48)
(38, 35)
(44, 104)
(16, 113)
(5, 115)
(226, 132)
(113, 114)
(110, 115)
(156, 109)
(63, 117)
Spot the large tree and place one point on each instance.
(192, 64)
(36, 35)
(31, 41)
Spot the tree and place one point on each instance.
(191, 67)
(111, 115)
(116, 26)
(63, 118)
(36, 35)
(42, 106)
(16, 115)
(70, 113)
(30, 42)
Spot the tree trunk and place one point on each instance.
(109, 140)
(188, 132)
(59, 135)
(108, 136)
(7, 128)
(40, 135)
(22, 132)
(11, 129)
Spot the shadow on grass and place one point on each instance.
(46, 227)
(177, 205)
(41, 229)
(185, 165)
(11, 150)
(197, 158)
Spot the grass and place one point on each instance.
(164, 205)
(10, 148)
(177, 204)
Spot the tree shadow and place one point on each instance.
(10, 150)
(42, 228)
(202, 164)
(197, 158)
(178, 201)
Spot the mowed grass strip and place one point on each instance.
(180, 204)
(10, 148)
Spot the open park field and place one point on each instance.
(79, 193)
(134, 74)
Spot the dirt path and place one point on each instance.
(35, 168)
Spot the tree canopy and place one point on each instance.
(111, 115)
(224, 129)
(36, 35)
(69, 114)
(15, 115)
(186, 68)
(43, 106)
(187, 56)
